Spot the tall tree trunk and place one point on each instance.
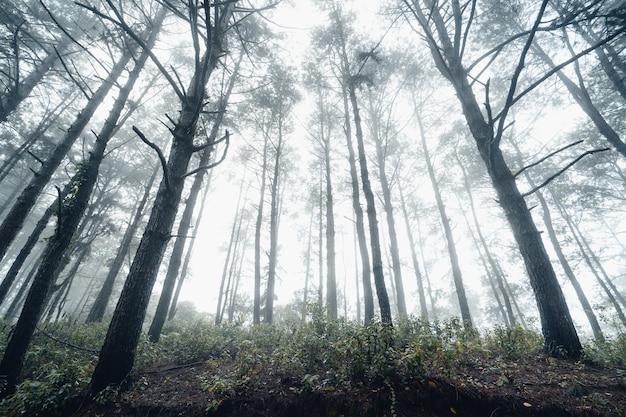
(184, 270)
(118, 352)
(69, 215)
(416, 265)
(567, 269)
(585, 251)
(320, 244)
(227, 271)
(307, 271)
(14, 220)
(96, 313)
(445, 221)
(331, 275)
(497, 276)
(560, 337)
(275, 203)
(377, 263)
(507, 315)
(357, 276)
(163, 306)
(256, 307)
(388, 206)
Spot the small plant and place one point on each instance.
(49, 392)
(514, 341)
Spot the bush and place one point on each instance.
(514, 341)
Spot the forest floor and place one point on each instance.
(486, 385)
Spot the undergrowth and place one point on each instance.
(321, 354)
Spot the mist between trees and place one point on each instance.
(255, 158)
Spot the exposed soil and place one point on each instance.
(486, 386)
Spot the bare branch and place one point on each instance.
(122, 24)
(568, 166)
(516, 74)
(38, 159)
(561, 66)
(49, 336)
(145, 140)
(214, 164)
(226, 138)
(69, 73)
(548, 156)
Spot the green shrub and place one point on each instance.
(53, 388)
(514, 341)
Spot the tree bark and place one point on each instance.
(567, 269)
(14, 220)
(98, 309)
(275, 203)
(416, 265)
(256, 307)
(445, 221)
(560, 337)
(118, 352)
(495, 270)
(377, 263)
(69, 215)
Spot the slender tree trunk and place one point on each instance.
(569, 273)
(96, 313)
(560, 337)
(366, 269)
(69, 215)
(307, 271)
(584, 250)
(14, 220)
(497, 276)
(320, 245)
(228, 264)
(388, 206)
(118, 352)
(331, 275)
(377, 263)
(416, 266)
(357, 276)
(256, 308)
(185, 268)
(508, 319)
(445, 221)
(275, 197)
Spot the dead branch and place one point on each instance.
(568, 166)
(214, 164)
(206, 145)
(550, 155)
(516, 74)
(69, 73)
(124, 26)
(49, 336)
(145, 140)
